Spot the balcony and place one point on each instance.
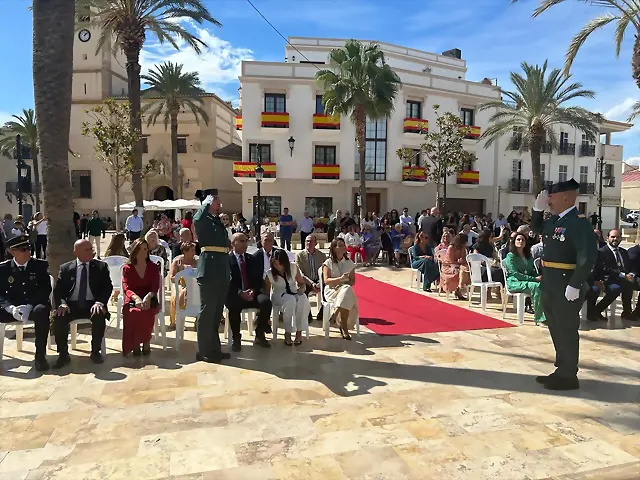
(27, 188)
(587, 189)
(468, 179)
(567, 149)
(546, 148)
(611, 153)
(474, 132)
(325, 174)
(587, 150)
(322, 121)
(519, 185)
(415, 125)
(275, 120)
(516, 142)
(238, 122)
(546, 185)
(414, 176)
(245, 172)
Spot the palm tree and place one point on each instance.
(128, 21)
(53, 32)
(626, 13)
(361, 85)
(535, 107)
(25, 126)
(173, 91)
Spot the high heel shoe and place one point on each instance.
(344, 331)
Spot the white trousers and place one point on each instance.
(295, 312)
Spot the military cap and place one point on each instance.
(567, 186)
(18, 241)
(202, 194)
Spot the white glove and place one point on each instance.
(14, 312)
(542, 201)
(25, 311)
(571, 293)
(208, 200)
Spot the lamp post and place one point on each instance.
(600, 167)
(19, 162)
(259, 173)
(292, 142)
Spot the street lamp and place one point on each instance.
(292, 142)
(19, 161)
(259, 174)
(600, 168)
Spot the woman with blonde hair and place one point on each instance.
(338, 272)
(454, 274)
(188, 259)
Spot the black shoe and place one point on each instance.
(262, 342)
(41, 364)
(596, 317)
(237, 346)
(626, 316)
(544, 378)
(268, 329)
(556, 382)
(63, 360)
(96, 357)
(215, 358)
(137, 352)
(636, 314)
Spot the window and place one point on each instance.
(564, 138)
(375, 155)
(318, 206)
(263, 150)
(562, 173)
(543, 172)
(145, 145)
(584, 174)
(584, 140)
(275, 102)
(466, 115)
(414, 109)
(81, 183)
(182, 145)
(417, 157)
(271, 206)
(325, 155)
(517, 169)
(319, 105)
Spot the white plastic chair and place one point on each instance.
(192, 308)
(518, 298)
(328, 307)
(248, 314)
(475, 261)
(416, 275)
(115, 264)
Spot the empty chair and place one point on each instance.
(475, 261)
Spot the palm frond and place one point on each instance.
(635, 111)
(578, 40)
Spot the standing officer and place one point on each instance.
(568, 257)
(213, 275)
(25, 288)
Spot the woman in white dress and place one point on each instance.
(338, 272)
(287, 290)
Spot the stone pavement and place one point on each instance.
(456, 405)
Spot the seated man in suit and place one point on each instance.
(185, 237)
(25, 288)
(82, 291)
(263, 255)
(244, 292)
(613, 268)
(308, 262)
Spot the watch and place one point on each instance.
(84, 35)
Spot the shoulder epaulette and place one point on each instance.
(6, 262)
(582, 215)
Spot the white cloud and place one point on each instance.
(620, 111)
(633, 161)
(5, 117)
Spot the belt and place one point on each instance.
(214, 249)
(559, 265)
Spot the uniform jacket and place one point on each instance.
(99, 282)
(31, 287)
(211, 233)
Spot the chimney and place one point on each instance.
(454, 53)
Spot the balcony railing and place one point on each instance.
(27, 187)
(414, 174)
(516, 142)
(587, 150)
(325, 172)
(519, 185)
(248, 169)
(238, 122)
(546, 148)
(325, 122)
(468, 177)
(473, 132)
(546, 184)
(275, 120)
(587, 189)
(415, 125)
(567, 149)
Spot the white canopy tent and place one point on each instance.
(156, 205)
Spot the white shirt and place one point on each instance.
(306, 225)
(20, 266)
(133, 224)
(267, 263)
(244, 256)
(566, 211)
(406, 219)
(41, 228)
(500, 223)
(76, 288)
(471, 237)
(352, 240)
(615, 250)
(16, 231)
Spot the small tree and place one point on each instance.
(116, 141)
(444, 152)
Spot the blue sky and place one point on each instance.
(494, 37)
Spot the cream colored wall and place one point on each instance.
(631, 195)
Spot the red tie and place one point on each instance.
(243, 272)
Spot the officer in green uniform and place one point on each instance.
(213, 275)
(568, 257)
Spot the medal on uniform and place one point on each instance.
(10, 279)
(562, 238)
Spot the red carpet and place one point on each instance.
(389, 310)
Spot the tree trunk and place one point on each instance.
(535, 145)
(175, 177)
(117, 187)
(361, 142)
(635, 60)
(53, 32)
(133, 79)
(36, 173)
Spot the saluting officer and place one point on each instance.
(212, 274)
(568, 257)
(25, 288)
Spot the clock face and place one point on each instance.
(84, 35)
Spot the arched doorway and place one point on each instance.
(163, 193)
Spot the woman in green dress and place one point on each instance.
(522, 276)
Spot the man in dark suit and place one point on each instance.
(614, 268)
(245, 292)
(263, 255)
(432, 226)
(82, 291)
(25, 288)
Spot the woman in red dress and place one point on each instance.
(140, 284)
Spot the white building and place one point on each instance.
(311, 162)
